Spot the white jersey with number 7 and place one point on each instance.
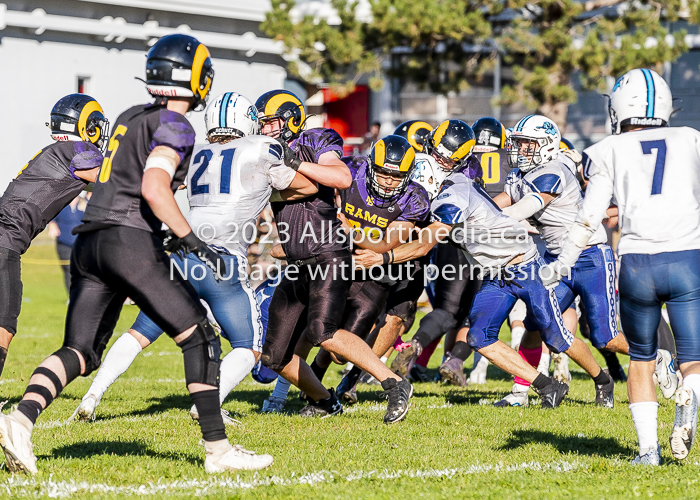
(653, 175)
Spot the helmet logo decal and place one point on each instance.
(253, 113)
(484, 137)
(548, 128)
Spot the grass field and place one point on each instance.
(453, 444)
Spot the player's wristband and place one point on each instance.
(294, 163)
(391, 253)
(385, 258)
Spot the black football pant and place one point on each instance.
(109, 265)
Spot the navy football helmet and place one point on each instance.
(79, 117)
(179, 66)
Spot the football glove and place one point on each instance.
(551, 274)
(289, 157)
(191, 244)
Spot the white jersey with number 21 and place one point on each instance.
(654, 177)
(228, 185)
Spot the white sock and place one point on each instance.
(477, 358)
(644, 415)
(692, 382)
(349, 366)
(516, 335)
(235, 366)
(117, 361)
(543, 367)
(281, 388)
(383, 359)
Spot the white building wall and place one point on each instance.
(35, 75)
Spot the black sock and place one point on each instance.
(3, 357)
(461, 350)
(354, 375)
(210, 421)
(30, 409)
(541, 382)
(319, 371)
(602, 378)
(423, 338)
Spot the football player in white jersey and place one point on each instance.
(502, 250)
(230, 181)
(542, 189)
(653, 173)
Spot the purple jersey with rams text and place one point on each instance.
(361, 211)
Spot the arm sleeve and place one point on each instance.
(595, 204)
(280, 175)
(174, 132)
(528, 205)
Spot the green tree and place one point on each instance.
(445, 44)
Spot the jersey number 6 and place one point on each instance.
(106, 169)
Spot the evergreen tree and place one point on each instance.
(445, 44)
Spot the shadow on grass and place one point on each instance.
(582, 445)
(118, 448)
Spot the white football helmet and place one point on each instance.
(428, 174)
(540, 135)
(231, 114)
(641, 98)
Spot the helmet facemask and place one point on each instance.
(387, 195)
(525, 152)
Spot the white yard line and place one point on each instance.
(20, 486)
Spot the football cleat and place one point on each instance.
(237, 458)
(16, 442)
(665, 374)
(347, 386)
(517, 397)
(404, 361)
(324, 408)
(349, 397)
(478, 373)
(273, 405)
(451, 372)
(553, 394)
(561, 368)
(605, 393)
(398, 394)
(651, 457)
(86, 409)
(225, 416)
(685, 424)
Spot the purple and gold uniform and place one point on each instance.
(39, 192)
(117, 255)
(312, 303)
(367, 298)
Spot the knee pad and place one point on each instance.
(71, 362)
(202, 353)
(477, 339)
